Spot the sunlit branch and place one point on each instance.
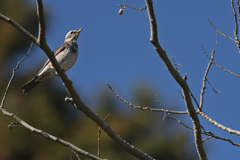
(182, 82)
(205, 79)
(78, 103)
(219, 65)
(218, 124)
(145, 108)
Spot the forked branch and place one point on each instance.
(182, 82)
(78, 103)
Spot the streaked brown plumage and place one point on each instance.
(66, 56)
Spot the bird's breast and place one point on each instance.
(68, 56)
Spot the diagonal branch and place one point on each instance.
(18, 27)
(13, 74)
(210, 134)
(145, 108)
(35, 130)
(218, 124)
(221, 32)
(182, 82)
(47, 135)
(78, 103)
(205, 79)
(219, 65)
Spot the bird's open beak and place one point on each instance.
(79, 30)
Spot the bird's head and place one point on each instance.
(73, 35)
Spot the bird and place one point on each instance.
(66, 55)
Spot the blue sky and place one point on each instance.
(116, 49)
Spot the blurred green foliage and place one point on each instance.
(44, 108)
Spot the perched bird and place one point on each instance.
(66, 55)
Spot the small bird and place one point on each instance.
(66, 55)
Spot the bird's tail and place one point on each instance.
(29, 85)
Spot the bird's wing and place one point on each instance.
(60, 49)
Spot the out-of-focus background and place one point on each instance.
(116, 49)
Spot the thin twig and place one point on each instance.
(221, 32)
(210, 134)
(218, 124)
(161, 107)
(213, 87)
(207, 138)
(125, 5)
(180, 93)
(145, 108)
(220, 66)
(175, 65)
(181, 122)
(204, 80)
(47, 135)
(217, 38)
(99, 139)
(78, 103)
(182, 82)
(237, 75)
(75, 154)
(195, 100)
(13, 74)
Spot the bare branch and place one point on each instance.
(182, 82)
(236, 21)
(75, 154)
(47, 135)
(217, 38)
(238, 11)
(210, 134)
(218, 124)
(35, 130)
(213, 87)
(237, 75)
(162, 107)
(125, 5)
(221, 32)
(204, 80)
(99, 139)
(220, 66)
(195, 100)
(181, 122)
(18, 27)
(145, 108)
(13, 75)
(175, 65)
(180, 93)
(41, 32)
(78, 103)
